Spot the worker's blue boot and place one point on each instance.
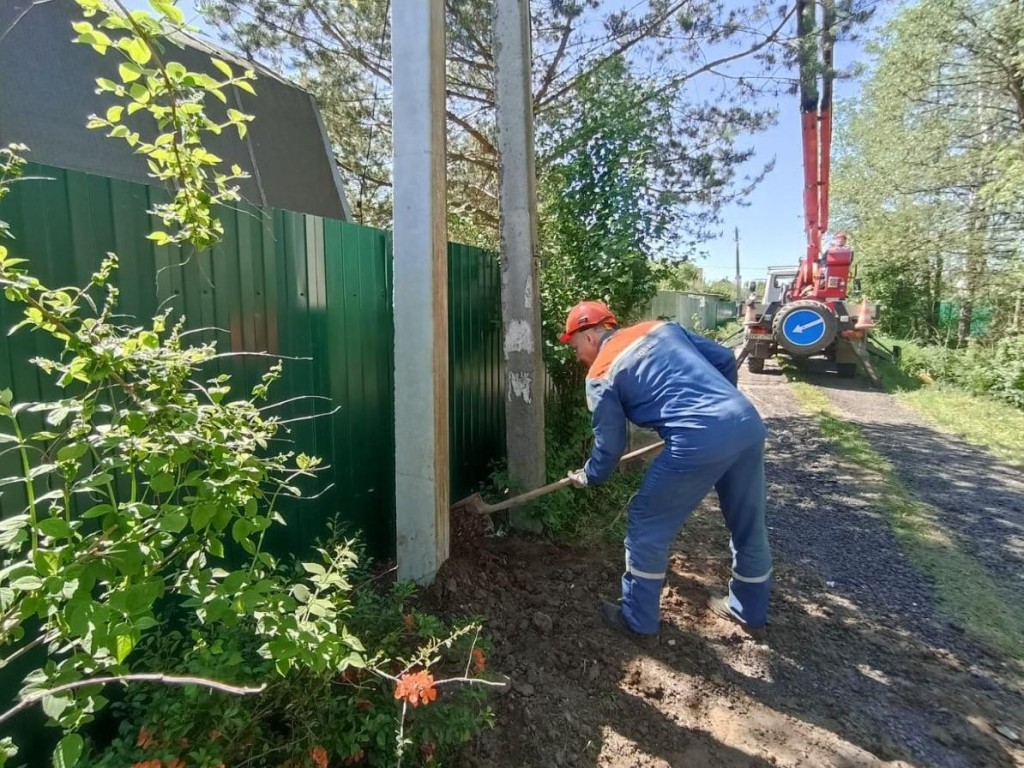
(719, 605)
(612, 616)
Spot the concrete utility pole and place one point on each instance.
(421, 288)
(520, 294)
(739, 288)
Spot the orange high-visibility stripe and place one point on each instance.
(618, 344)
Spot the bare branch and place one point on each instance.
(622, 48)
(485, 143)
(215, 685)
(549, 74)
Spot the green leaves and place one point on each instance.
(169, 9)
(26, 583)
(145, 453)
(175, 98)
(925, 180)
(72, 451)
(68, 751)
(137, 49)
(129, 72)
(222, 66)
(55, 527)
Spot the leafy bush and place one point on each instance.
(596, 513)
(728, 331)
(995, 370)
(135, 481)
(306, 718)
(147, 488)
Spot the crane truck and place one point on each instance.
(804, 310)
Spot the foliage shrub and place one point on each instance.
(136, 480)
(144, 493)
(304, 718)
(595, 513)
(995, 370)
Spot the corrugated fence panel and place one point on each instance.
(360, 343)
(691, 309)
(477, 414)
(260, 293)
(314, 292)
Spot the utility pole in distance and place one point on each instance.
(739, 287)
(520, 288)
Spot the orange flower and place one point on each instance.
(319, 755)
(145, 738)
(479, 664)
(416, 687)
(214, 734)
(410, 622)
(355, 757)
(176, 763)
(148, 764)
(363, 705)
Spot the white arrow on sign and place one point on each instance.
(802, 328)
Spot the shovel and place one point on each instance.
(475, 504)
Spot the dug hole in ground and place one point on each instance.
(861, 667)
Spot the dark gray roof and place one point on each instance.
(47, 92)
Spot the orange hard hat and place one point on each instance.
(586, 314)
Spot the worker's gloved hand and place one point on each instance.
(578, 478)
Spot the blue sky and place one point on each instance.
(771, 225)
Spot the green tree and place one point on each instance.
(687, 50)
(604, 207)
(724, 288)
(684, 276)
(927, 177)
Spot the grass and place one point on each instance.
(999, 427)
(965, 591)
(994, 425)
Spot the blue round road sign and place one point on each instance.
(804, 328)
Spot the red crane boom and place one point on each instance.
(816, 135)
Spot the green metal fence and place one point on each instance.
(280, 284)
(476, 377)
(692, 309)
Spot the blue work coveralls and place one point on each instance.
(660, 376)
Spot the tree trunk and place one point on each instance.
(974, 272)
(934, 315)
(963, 329)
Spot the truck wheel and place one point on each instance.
(755, 364)
(846, 370)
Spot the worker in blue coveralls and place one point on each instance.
(660, 376)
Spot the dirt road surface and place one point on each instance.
(860, 669)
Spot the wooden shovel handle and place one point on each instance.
(642, 451)
(536, 493)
